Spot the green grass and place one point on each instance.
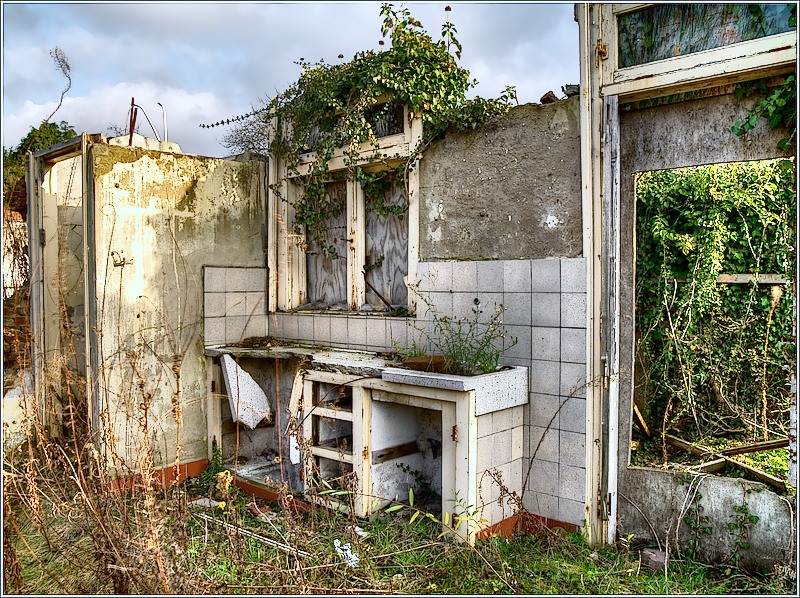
(396, 557)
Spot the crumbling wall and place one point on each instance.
(159, 218)
(510, 190)
(500, 224)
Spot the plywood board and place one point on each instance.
(387, 245)
(326, 276)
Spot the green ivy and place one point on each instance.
(778, 105)
(708, 353)
(334, 106)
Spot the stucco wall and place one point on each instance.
(161, 218)
(510, 190)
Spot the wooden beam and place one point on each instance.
(700, 451)
(640, 420)
(748, 278)
(297, 393)
(394, 452)
(743, 279)
(389, 147)
(732, 63)
(356, 248)
(711, 466)
(769, 445)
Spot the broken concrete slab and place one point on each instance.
(654, 559)
(249, 403)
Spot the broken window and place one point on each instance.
(715, 339)
(366, 253)
(326, 261)
(669, 30)
(386, 119)
(386, 264)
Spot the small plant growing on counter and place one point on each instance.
(461, 346)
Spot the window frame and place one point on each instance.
(726, 64)
(286, 258)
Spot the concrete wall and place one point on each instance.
(161, 218)
(661, 502)
(673, 136)
(510, 190)
(511, 193)
(545, 303)
(514, 255)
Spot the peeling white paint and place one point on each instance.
(550, 221)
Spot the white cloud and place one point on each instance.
(106, 106)
(209, 62)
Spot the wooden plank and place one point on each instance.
(362, 444)
(272, 227)
(700, 451)
(711, 466)
(697, 451)
(214, 406)
(326, 276)
(356, 253)
(769, 445)
(340, 414)
(748, 278)
(741, 279)
(333, 454)
(640, 420)
(297, 393)
(387, 244)
(394, 452)
(388, 147)
(413, 210)
(308, 431)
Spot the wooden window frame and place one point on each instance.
(286, 257)
(726, 64)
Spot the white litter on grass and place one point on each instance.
(249, 404)
(359, 531)
(204, 503)
(346, 552)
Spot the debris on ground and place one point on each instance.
(346, 552)
(261, 513)
(354, 529)
(654, 559)
(204, 503)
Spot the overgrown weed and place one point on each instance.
(395, 556)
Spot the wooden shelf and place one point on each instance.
(332, 453)
(340, 414)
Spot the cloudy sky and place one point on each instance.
(210, 61)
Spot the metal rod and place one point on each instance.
(235, 528)
(136, 107)
(164, 118)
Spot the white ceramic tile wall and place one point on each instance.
(545, 309)
(234, 304)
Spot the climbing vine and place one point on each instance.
(714, 359)
(777, 104)
(343, 106)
